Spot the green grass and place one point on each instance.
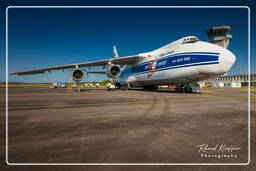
(19, 84)
(47, 85)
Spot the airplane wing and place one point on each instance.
(127, 60)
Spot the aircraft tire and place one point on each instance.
(181, 89)
(176, 89)
(190, 90)
(185, 89)
(118, 86)
(149, 87)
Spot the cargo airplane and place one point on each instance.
(182, 63)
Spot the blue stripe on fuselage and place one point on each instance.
(184, 53)
(208, 63)
(173, 62)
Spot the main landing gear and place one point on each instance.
(148, 88)
(183, 89)
(123, 87)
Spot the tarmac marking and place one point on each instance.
(247, 89)
(108, 103)
(208, 91)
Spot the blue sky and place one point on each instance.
(48, 37)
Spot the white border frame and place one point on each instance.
(249, 88)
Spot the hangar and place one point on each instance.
(235, 81)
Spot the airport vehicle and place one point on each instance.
(54, 85)
(181, 63)
(62, 84)
(110, 86)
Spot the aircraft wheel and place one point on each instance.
(150, 88)
(145, 88)
(181, 89)
(118, 86)
(177, 89)
(185, 89)
(190, 90)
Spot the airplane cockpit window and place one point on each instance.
(190, 40)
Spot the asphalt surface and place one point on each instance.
(135, 126)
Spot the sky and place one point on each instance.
(43, 37)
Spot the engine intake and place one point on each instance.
(78, 75)
(113, 71)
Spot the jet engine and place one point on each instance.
(113, 71)
(78, 75)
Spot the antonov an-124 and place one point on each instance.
(183, 63)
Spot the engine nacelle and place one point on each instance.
(77, 75)
(113, 71)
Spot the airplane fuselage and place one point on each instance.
(186, 60)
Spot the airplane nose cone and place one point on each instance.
(227, 60)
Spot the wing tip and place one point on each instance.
(26, 73)
(13, 73)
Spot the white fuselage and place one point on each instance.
(186, 60)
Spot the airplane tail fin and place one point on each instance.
(115, 52)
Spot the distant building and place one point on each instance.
(235, 81)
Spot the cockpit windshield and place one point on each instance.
(190, 39)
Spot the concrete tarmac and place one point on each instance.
(134, 126)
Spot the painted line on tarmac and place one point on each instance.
(108, 103)
(207, 91)
(247, 89)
